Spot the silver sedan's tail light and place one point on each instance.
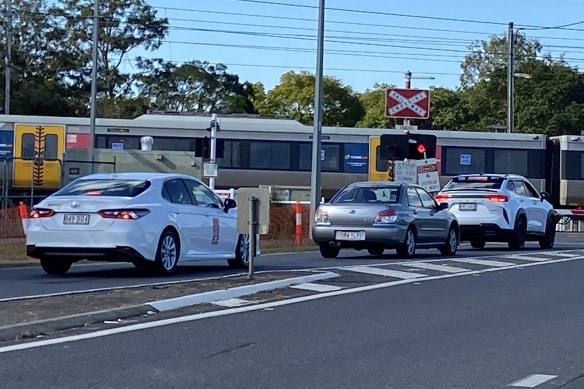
(387, 216)
(321, 217)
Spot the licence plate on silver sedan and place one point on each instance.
(350, 235)
(76, 218)
(467, 206)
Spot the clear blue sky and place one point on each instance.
(222, 31)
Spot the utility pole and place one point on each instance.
(93, 109)
(510, 79)
(317, 132)
(408, 77)
(8, 56)
(213, 151)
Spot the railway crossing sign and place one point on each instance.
(407, 103)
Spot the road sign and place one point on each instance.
(407, 103)
(406, 171)
(428, 176)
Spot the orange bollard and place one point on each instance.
(23, 212)
(298, 211)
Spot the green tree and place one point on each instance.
(194, 86)
(373, 102)
(487, 56)
(125, 25)
(294, 97)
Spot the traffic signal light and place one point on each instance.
(397, 147)
(421, 146)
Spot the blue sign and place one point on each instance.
(356, 158)
(6, 144)
(465, 160)
(117, 146)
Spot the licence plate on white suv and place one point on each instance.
(76, 218)
(467, 206)
(350, 235)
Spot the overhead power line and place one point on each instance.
(375, 12)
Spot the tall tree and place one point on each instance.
(485, 57)
(294, 97)
(373, 102)
(125, 25)
(194, 86)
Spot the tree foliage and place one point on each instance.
(294, 97)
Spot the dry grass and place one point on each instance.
(285, 246)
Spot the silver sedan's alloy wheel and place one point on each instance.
(244, 249)
(452, 240)
(410, 242)
(168, 253)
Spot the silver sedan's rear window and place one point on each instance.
(106, 187)
(363, 195)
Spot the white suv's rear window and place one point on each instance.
(479, 182)
(121, 188)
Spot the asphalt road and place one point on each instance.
(32, 281)
(467, 332)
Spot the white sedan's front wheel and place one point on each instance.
(241, 259)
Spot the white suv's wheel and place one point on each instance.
(517, 242)
(547, 242)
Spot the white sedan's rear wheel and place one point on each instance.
(56, 267)
(168, 252)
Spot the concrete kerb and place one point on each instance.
(40, 327)
(223, 294)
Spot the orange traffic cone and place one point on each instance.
(23, 212)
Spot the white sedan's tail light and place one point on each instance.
(36, 213)
(387, 216)
(124, 214)
(321, 217)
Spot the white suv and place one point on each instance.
(500, 208)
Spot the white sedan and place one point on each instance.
(149, 219)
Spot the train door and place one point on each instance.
(377, 166)
(38, 151)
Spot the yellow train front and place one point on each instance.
(31, 157)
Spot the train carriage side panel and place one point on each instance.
(38, 151)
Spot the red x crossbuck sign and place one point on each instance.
(407, 103)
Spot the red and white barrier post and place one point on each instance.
(23, 212)
(298, 212)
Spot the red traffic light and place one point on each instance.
(421, 149)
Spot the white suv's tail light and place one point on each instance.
(387, 216)
(124, 214)
(321, 217)
(498, 198)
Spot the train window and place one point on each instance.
(572, 165)
(511, 162)
(28, 146)
(331, 162)
(231, 154)
(305, 156)
(381, 165)
(173, 144)
(463, 161)
(269, 155)
(51, 146)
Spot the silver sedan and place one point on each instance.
(384, 215)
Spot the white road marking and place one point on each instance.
(442, 268)
(250, 308)
(383, 272)
(565, 255)
(528, 258)
(533, 380)
(483, 262)
(233, 302)
(316, 287)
